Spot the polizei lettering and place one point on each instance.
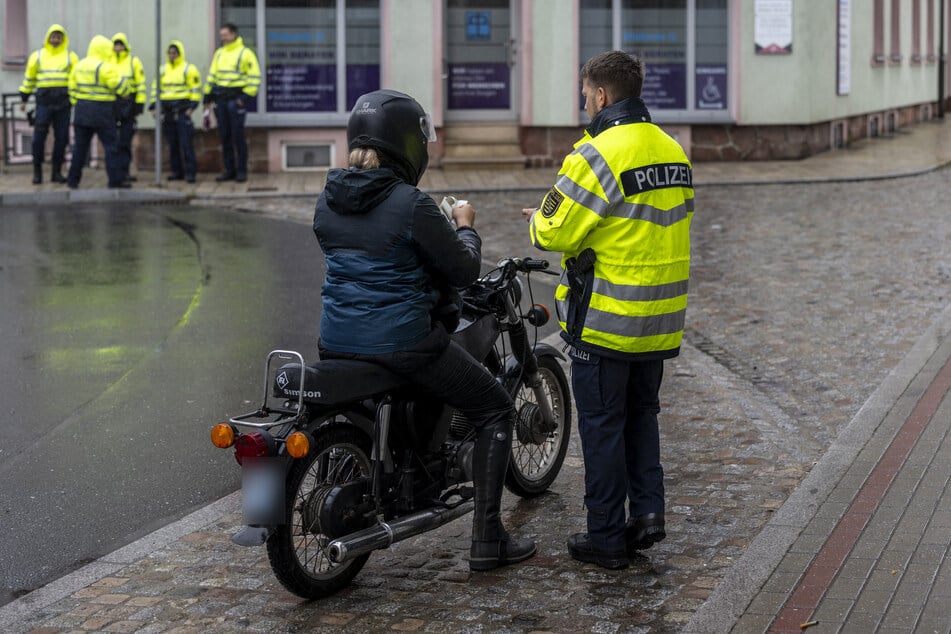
(651, 177)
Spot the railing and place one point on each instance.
(16, 131)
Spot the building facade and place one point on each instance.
(731, 79)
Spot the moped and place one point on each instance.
(351, 458)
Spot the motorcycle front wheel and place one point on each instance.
(538, 449)
(297, 550)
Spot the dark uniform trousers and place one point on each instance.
(618, 402)
(234, 147)
(94, 118)
(125, 129)
(51, 113)
(179, 130)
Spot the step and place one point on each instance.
(462, 133)
(483, 150)
(501, 163)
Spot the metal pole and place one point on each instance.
(158, 93)
(941, 59)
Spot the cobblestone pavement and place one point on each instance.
(803, 297)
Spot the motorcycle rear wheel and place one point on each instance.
(298, 552)
(537, 455)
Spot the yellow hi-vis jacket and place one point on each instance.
(131, 68)
(48, 67)
(234, 71)
(626, 193)
(96, 77)
(180, 80)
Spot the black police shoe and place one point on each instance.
(643, 532)
(241, 178)
(120, 185)
(224, 177)
(491, 555)
(581, 548)
(175, 177)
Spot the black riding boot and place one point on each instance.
(491, 544)
(56, 175)
(37, 173)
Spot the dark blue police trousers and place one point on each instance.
(618, 402)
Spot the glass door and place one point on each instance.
(480, 60)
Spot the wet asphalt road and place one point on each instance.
(126, 333)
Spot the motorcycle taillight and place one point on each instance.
(255, 444)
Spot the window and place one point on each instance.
(15, 46)
(915, 31)
(878, 32)
(930, 26)
(684, 45)
(317, 56)
(895, 56)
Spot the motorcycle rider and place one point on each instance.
(389, 251)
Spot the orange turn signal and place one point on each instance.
(298, 444)
(222, 435)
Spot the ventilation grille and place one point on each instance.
(308, 156)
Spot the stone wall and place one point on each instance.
(207, 150)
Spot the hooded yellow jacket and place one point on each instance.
(180, 80)
(131, 68)
(49, 66)
(96, 77)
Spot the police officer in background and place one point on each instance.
(180, 95)
(94, 85)
(47, 77)
(620, 213)
(130, 107)
(233, 79)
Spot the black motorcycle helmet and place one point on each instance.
(394, 123)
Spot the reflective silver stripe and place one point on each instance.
(649, 213)
(582, 196)
(627, 292)
(602, 170)
(612, 324)
(651, 325)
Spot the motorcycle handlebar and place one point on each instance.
(529, 264)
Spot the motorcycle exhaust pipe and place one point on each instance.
(384, 534)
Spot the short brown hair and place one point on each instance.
(620, 74)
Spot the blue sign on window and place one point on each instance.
(478, 25)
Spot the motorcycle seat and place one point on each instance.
(335, 381)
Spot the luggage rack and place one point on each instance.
(286, 415)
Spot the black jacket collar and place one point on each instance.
(625, 111)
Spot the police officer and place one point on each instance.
(47, 76)
(233, 79)
(130, 107)
(94, 85)
(620, 213)
(180, 95)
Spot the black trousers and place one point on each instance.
(448, 372)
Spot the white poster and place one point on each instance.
(772, 27)
(844, 59)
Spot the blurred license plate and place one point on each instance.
(262, 491)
